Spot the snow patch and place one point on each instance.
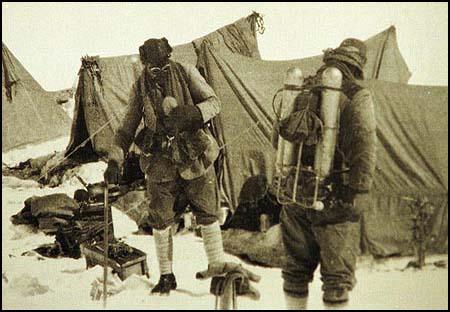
(90, 173)
(15, 156)
(33, 282)
(21, 231)
(26, 285)
(69, 107)
(16, 183)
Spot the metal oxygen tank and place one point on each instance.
(287, 151)
(329, 114)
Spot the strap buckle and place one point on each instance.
(169, 140)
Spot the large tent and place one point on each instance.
(412, 123)
(412, 145)
(29, 113)
(105, 83)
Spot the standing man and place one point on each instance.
(330, 237)
(178, 151)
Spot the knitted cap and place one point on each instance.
(351, 51)
(155, 51)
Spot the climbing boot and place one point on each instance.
(167, 282)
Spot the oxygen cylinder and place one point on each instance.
(329, 114)
(287, 151)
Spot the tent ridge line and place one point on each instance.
(378, 66)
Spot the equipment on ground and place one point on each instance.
(125, 260)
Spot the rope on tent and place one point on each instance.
(238, 137)
(234, 140)
(258, 20)
(82, 143)
(90, 60)
(88, 63)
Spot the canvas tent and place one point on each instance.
(412, 154)
(29, 113)
(105, 83)
(412, 149)
(250, 85)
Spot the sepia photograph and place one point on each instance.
(225, 155)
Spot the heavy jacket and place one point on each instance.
(188, 87)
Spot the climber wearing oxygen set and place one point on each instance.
(177, 156)
(177, 151)
(324, 168)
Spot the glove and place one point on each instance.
(348, 195)
(144, 140)
(244, 287)
(188, 147)
(112, 172)
(350, 201)
(183, 118)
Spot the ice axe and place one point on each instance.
(106, 243)
(224, 289)
(230, 280)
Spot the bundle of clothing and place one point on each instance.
(73, 221)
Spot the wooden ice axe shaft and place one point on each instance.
(105, 241)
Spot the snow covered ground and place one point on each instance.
(15, 156)
(33, 282)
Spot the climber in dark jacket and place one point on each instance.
(331, 237)
(178, 150)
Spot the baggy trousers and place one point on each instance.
(311, 238)
(169, 199)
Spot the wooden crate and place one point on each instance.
(135, 264)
